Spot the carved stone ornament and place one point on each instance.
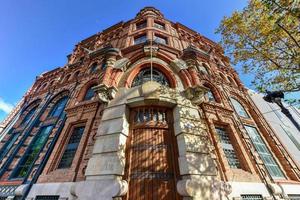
(147, 50)
(105, 93)
(178, 64)
(121, 64)
(195, 94)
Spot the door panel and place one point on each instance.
(151, 162)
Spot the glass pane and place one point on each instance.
(32, 152)
(141, 25)
(140, 39)
(59, 107)
(159, 25)
(228, 149)
(264, 153)
(160, 40)
(210, 96)
(8, 145)
(145, 75)
(89, 94)
(71, 148)
(28, 116)
(239, 109)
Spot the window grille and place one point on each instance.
(264, 153)
(149, 114)
(251, 197)
(228, 149)
(47, 197)
(294, 196)
(70, 151)
(145, 75)
(140, 39)
(3, 198)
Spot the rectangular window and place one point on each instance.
(160, 40)
(70, 151)
(140, 39)
(32, 152)
(159, 25)
(292, 138)
(47, 197)
(141, 25)
(264, 153)
(251, 197)
(228, 149)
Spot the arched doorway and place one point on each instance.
(151, 155)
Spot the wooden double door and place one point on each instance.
(151, 155)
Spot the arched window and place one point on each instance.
(59, 107)
(89, 94)
(222, 76)
(28, 116)
(145, 75)
(93, 68)
(239, 108)
(210, 96)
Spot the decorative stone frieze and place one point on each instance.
(105, 93)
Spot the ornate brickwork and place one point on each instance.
(95, 90)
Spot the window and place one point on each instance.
(210, 96)
(7, 146)
(251, 197)
(292, 138)
(93, 68)
(239, 109)
(70, 151)
(28, 116)
(47, 197)
(160, 40)
(89, 94)
(145, 75)
(141, 25)
(76, 74)
(264, 153)
(140, 39)
(159, 25)
(59, 107)
(294, 196)
(32, 152)
(227, 147)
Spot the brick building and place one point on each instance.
(99, 128)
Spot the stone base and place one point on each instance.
(86, 190)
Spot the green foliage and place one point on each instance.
(265, 39)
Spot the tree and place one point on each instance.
(264, 38)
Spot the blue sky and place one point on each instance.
(36, 36)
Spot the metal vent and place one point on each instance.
(47, 197)
(251, 197)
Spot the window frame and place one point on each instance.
(161, 38)
(233, 100)
(267, 152)
(54, 108)
(65, 148)
(140, 39)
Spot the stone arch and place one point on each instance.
(108, 158)
(174, 78)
